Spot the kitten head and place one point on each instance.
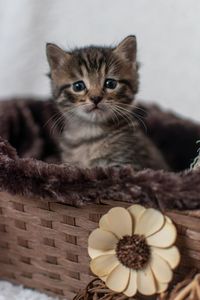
(95, 84)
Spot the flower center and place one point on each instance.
(133, 251)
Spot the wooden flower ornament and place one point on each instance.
(132, 250)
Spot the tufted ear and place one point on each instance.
(127, 49)
(55, 56)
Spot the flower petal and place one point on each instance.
(149, 222)
(103, 278)
(170, 255)
(132, 285)
(103, 265)
(136, 211)
(103, 223)
(102, 240)
(93, 253)
(168, 219)
(161, 287)
(119, 221)
(118, 279)
(161, 269)
(163, 238)
(145, 282)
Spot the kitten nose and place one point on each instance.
(96, 99)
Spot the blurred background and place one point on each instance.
(168, 34)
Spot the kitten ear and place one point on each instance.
(127, 49)
(55, 55)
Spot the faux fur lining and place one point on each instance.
(22, 123)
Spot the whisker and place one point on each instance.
(51, 118)
(142, 109)
(56, 124)
(140, 120)
(70, 114)
(134, 106)
(115, 114)
(60, 119)
(135, 115)
(125, 116)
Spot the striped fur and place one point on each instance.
(103, 133)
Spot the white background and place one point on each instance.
(168, 34)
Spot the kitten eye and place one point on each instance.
(78, 86)
(110, 84)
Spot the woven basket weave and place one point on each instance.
(43, 245)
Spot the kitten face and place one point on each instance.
(94, 83)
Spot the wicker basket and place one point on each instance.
(43, 236)
(43, 245)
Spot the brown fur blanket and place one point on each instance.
(30, 161)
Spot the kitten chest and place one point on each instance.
(84, 146)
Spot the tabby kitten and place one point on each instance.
(94, 88)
